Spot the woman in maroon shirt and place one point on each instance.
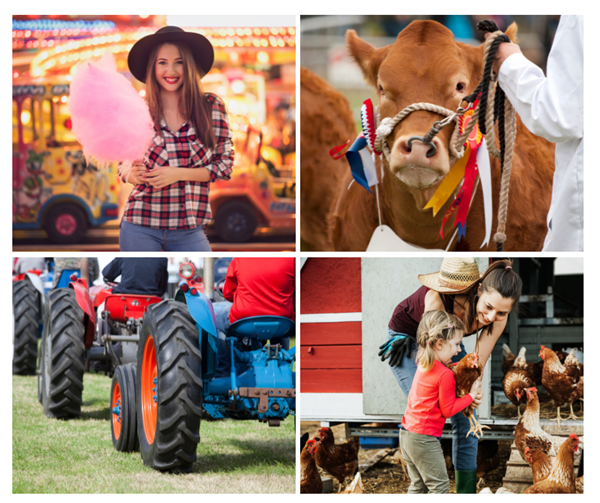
(482, 303)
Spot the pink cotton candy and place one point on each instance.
(110, 119)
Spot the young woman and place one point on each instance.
(431, 400)
(482, 303)
(168, 207)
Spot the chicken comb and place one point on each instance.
(573, 435)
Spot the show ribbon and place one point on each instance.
(359, 158)
(460, 206)
(485, 175)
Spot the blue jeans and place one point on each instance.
(464, 450)
(134, 237)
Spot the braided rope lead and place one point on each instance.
(511, 133)
(507, 124)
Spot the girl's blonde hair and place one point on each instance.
(434, 326)
(193, 105)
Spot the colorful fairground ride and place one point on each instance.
(54, 188)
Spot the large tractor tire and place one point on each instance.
(123, 424)
(60, 382)
(169, 388)
(26, 312)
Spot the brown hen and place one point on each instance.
(516, 380)
(560, 385)
(467, 371)
(341, 460)
(540, 464)
(561, 479)
(529, 433)
(310, 480)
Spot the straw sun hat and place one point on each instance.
(456, 275)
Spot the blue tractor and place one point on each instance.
(163, 398)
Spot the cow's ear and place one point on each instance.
(511, 31)
(366, 56)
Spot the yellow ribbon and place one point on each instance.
(450, 182)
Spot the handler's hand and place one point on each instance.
(504, 51)
(161, 176)
(137, 171)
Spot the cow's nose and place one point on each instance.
(417, 150)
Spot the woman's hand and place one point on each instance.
(161, 176)
(476, 390)
(137, 171)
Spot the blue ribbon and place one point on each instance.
(355, 161)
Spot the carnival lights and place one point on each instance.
(72, 51)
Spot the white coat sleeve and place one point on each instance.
(552, 106)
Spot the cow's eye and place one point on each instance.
(460, 87)
(381, 91)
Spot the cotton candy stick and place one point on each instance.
(110, 119)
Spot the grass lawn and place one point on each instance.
(77, 456)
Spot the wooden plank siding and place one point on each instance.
(331, 343)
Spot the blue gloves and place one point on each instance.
(395, 348)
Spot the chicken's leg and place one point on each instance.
(558, 416)
(573, 416)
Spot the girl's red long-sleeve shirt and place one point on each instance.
(431, 400)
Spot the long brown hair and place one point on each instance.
(193, 105)
(500, 277)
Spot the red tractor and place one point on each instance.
(83, 326)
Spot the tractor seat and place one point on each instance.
(262, 327)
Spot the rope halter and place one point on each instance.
(456, 146)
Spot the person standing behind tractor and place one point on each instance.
(255, 287)
(168, 207)
(138, 275)
(88, 268)
(552, 107)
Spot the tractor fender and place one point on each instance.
(201, 309)
(36, 281)
(84, 301)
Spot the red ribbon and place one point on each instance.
(335, 151)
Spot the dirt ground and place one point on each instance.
(387, 476)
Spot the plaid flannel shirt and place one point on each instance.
(184, 204)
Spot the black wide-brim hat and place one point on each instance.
(202, 49)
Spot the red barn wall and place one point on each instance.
(331, 352)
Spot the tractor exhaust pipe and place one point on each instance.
(209, 277)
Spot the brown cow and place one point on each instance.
(326, 121)
(426, 64)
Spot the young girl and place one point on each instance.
(431, 400)
(168, 207)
